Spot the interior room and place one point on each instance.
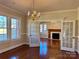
(39, 29)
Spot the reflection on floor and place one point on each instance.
(43, 48)
(46, 51)
(14, 57)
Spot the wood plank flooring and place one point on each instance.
(45, 51)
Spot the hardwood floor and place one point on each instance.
(45, 51)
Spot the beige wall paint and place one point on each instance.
(12, 13)
(54, 25)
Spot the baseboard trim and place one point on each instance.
(10, 48)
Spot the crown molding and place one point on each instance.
(11, 9)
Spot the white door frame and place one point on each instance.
(34, 39)
(73, 42)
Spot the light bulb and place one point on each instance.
(32, 15)
(38, 15)
(28, 13)
(34, 12)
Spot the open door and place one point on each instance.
(67, 35)
(34, 37)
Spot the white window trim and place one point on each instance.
(9, 30)
(19, 36)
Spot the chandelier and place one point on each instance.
(33, 14)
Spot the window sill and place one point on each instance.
(9, 40)
(1, 42)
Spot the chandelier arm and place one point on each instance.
(33, 5)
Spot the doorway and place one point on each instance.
(34, 37)
(68, 35)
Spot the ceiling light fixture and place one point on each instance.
(33, 14)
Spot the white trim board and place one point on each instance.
(10, 48)
(59, 11)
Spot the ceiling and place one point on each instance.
(40, 5)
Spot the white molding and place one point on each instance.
(9, 8)
(59, 11)
(10, 48)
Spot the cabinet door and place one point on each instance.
(67, 34)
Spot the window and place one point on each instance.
(3, 28)
(9, 29)
(43, 27)
(33, 29)
(15, 28)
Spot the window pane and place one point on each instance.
(41, 28)
(45, 27)
(33, 29)
(14, 28)
(3, 28)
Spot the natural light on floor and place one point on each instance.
(43, 48)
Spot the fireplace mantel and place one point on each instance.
(53, 30)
